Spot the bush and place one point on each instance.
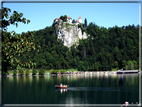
(62, 71)
(34, 71)
(21, 72)
(41, 72)
(5, 74)
(27, 72)
(53, 71)
(14, 72)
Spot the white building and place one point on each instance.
(69, 20)
(80, 19)
(57, 19)
(76, 21)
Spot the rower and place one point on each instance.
(61, 84)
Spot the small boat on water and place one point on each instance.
(63, 86)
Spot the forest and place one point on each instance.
(105, 49)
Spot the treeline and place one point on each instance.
(105, 49)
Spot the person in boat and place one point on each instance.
(61, 84)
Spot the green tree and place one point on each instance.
(15, 44)
(65, 18)
(62, 17)
(115, 64)
(130, 65)
(135, 64)
(85, 23)
(124, 64)
(73, 21)
(96, 66)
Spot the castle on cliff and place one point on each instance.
(69, 20)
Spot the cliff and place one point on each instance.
(69, 33)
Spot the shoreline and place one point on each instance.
(81, 73)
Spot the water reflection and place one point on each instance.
(61, 90)
(122, 89)
(110, 88)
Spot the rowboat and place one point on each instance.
(58, 86)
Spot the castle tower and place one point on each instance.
(80, 19)
(69, 20)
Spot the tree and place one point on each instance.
(73, 21)
(115, 64)
(13, 44)
(62, 17)
(65, 18)
(85, 23)
(96, 66)
(130, 65)
(123, 64)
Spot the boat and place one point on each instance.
(63, 86)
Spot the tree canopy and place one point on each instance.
(103, 50)
(15, 45)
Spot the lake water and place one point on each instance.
(83, 89)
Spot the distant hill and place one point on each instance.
(104, 49)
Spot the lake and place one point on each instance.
(83, 89)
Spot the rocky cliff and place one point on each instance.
(69, 33)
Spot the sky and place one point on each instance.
(107, 15)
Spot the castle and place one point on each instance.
(69, 20)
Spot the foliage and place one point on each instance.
(34, 71)
(15, 72)
(80, 25)
(62, 71)
(73, 21)
(41, 72)
(104, 49)
(21, 72)
(85, 23)
(27, 72)
(64, 18)
(53, 71)
(15, 45)
(115, 64)
(96, 66)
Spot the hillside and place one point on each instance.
(104, 49)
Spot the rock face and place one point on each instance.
(69, 33)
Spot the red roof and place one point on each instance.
(57, 18)
(69, 17)
(76, 20)
(80, 17)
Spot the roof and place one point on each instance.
(79, 17)
(57, 18)
(69, 17)
(76, 20)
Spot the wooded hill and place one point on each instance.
(104, 49)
